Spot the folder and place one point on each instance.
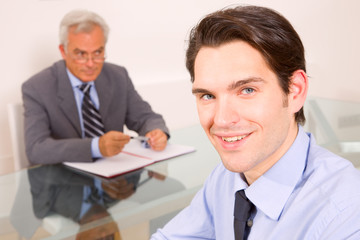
(134, 156)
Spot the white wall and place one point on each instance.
(149, 38)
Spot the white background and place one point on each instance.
(148, 37)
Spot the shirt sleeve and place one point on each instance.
(95, 150)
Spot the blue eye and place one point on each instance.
(248, 90)
(207, 97)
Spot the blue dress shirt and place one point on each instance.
(310, 193)
(75, 83)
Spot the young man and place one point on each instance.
(76, 109)
(249, 78)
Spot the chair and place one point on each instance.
(16, 124)
(53, 223)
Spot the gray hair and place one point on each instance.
(85, 22)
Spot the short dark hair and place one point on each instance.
(264, 29)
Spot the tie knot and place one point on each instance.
(243, 206)
(85, 88)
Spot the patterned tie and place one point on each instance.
(242, 212)
(93, 126)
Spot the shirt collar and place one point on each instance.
(239, 182)
(75, 82)
(270, 192)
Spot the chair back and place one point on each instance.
(16, 124)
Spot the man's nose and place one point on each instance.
(226, 113)
(90, 61)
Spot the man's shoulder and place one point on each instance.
(48, 74)
(114, 75)
(111, 68)
(334, 177)
(326, 164)
(332, 187)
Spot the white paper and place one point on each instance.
(133, 156)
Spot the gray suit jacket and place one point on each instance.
(52, 125)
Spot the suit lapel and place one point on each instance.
(105, 94)
(66, 98)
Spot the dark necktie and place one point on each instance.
(242, 211)
(93, 126)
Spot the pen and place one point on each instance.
(140, 138)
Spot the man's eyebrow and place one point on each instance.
(199, 90)
(245, 81)
(99, 49)
(232, 86)
(83, 51)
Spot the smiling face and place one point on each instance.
(84, 44)
(243, 110)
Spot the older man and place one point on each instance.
(76, 109)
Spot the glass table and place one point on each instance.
(56, 202)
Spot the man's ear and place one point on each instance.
(298, 90)
(62, 51)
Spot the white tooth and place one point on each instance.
(233, 139)
(240, 137)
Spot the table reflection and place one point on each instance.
(84, 198)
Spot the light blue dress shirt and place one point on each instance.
(309, 193)
(75, 83)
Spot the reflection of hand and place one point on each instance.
(112, 143)
(105, 231)
(156, 175)
(108, 229)
(118, 188)
(158, 139)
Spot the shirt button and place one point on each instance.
(249, 222)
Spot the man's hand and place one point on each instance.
(158, 139)
(112, 143)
